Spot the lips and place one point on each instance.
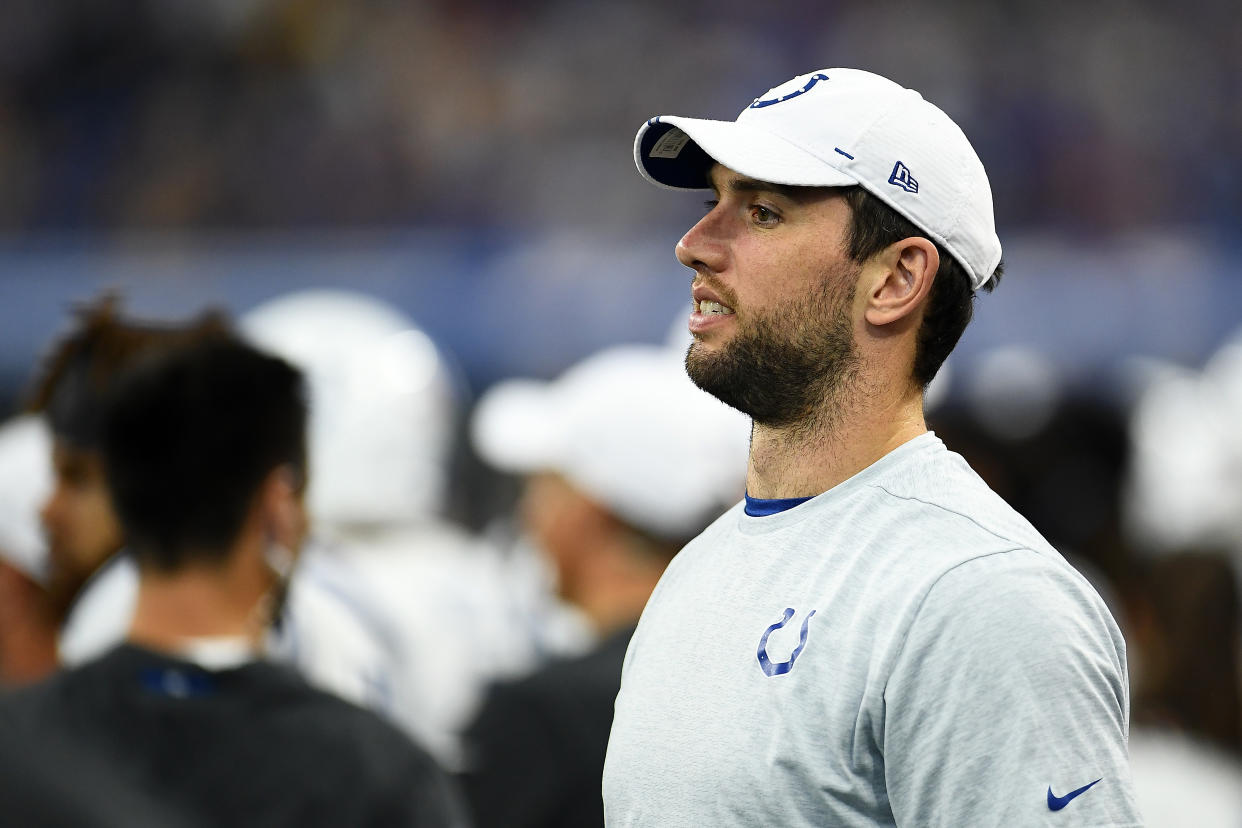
(709, 309)
(709, 301)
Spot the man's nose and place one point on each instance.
(703, 246)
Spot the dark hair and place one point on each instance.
(83, 366)
(189, 437)
(950, 305)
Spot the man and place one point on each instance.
(615, 485)
(204, 457)
(90, 585)
(873, 637)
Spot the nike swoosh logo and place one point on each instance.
(1056, 803)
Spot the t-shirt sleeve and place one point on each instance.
(1008, 703)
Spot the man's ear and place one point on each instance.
(902, 278)
(281, 501)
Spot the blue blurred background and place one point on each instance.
(470, 161)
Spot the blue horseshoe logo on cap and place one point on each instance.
(816, 78)
(779, 669)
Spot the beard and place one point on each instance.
(788, 365)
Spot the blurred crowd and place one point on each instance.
(296, 113)
(497, 652)
(470, 569)
(496, 646)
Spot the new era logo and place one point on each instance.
(902, 178)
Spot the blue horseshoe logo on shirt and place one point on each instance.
(779, 669)
(816, 78)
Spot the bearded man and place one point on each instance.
(873, 637)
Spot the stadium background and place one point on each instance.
(470, 162)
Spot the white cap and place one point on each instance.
(1184, 481)
(627, 428)
(840, 128)
(25, 482)
(382, 398)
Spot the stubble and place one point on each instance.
(788, 366)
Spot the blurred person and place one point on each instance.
(1065, 475)
(393, 606)
(92, 586)
(204, 455)
(1186, 741)
(1184, 481)
(48, 785)
(873, 637)
(27, 623)
(615, 486)
(1183, 502)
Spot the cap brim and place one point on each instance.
(514, 426)
(666, 158)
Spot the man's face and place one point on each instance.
(773, 291)
(82, 529)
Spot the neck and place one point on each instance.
(836, 442)
(175, 608)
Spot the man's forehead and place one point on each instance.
(724, 179)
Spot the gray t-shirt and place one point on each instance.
(903, 649)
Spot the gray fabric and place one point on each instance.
(955, 668)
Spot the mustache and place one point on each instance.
(727, 296)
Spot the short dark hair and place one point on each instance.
(82, 367)
(950, 306)
(188, 438)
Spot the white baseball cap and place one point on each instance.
(840, 128)
(627, 428)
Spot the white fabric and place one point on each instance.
(1184, 481)
(321, 636)
(216, 653)
(25, 483)
(1180, 782)
(955, 669)
(101, 613)
(442, 615)
(839, 127)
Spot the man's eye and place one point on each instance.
(762, 214)
(710, 204)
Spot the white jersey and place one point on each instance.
(442, 614)
(903, 649)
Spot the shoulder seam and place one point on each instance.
(991, 532)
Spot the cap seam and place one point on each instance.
(975, 279)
